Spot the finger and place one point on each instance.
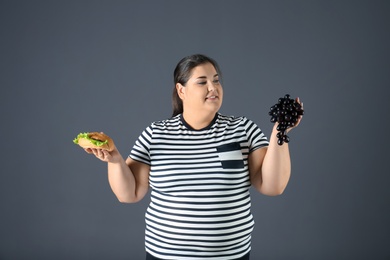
(106, 154)
(88, 150)
(100, 153)
(97, 153)
(299, 102)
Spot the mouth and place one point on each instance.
(212, 97)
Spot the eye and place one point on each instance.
(216, 81)
(202, 83)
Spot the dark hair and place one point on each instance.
(183, 73)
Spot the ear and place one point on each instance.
(180, 90)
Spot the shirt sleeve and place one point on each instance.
(141, 148)
(256, 137)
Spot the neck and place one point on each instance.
(197, 121)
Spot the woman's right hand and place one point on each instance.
(104, 155)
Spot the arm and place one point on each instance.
(129, 180)
(270, 167)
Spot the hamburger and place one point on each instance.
(95, 140)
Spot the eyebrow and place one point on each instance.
(204, 77)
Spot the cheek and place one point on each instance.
(200, 93)
(220, 91)
(196, 95)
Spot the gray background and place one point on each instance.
(74, 66)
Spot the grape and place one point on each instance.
(286, 112)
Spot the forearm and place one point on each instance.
(122, 180)
(276, 167)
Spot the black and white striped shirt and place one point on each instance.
(200, 203)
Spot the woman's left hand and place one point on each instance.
(299, 117)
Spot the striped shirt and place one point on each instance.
(200, 201)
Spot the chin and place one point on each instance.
(213, 111)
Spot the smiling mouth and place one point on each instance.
(212, 97)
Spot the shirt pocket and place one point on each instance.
(231, 156)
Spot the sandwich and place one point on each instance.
(95, 140)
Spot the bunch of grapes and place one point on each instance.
(286, 112)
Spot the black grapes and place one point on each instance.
(286, 112)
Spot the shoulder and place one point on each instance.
(232, 120)
(166, 123)
(238, 122)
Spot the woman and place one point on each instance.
(200, 165)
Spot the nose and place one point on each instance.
(211, 87)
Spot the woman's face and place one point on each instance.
(203, 91)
